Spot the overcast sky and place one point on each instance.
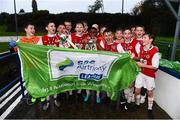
(60, 6)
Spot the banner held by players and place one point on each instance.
(50, 70)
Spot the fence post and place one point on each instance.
(19, 74)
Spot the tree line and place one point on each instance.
(153, 14)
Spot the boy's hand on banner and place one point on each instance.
(140, 64)
(12, 44)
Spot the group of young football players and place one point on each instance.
(134, 40)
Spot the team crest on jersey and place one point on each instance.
(143, 61)
(113, 47)
(147, 56)
(130, 47)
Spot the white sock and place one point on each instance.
(138, 97)
(130, 95)
(126, 92)
(150, 103)
(142, 98)
(133, 98)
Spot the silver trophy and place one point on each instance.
(91, 45)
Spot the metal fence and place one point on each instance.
(165, 48)
(18, 79)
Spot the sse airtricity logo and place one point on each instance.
(64, 64)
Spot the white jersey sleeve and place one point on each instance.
(18, 40)
(137, 47)
(69, 37)
(40, 42)
(155, 60)
(102, 44)
(120, 48)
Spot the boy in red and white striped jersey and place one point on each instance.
(117, 45)
(149, 62)
(131, 46)
(79, 38)
(139, 32)
(50, 40)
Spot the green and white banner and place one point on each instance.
(51, 70)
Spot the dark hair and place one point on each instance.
(127, 29)
(119, 29)
(60, 24)
(27, 24)
(84, 21)
(151, 36)
(80, 23)
(140, 26)
(68, 21)
(48, 22)
(103, 26)
(133, 26)
(107, 30)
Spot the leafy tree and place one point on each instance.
(156, 16)
(98, 4)
(21, 11)
(34, 6)
(149, 6)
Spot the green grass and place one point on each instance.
(11, 34)
(4, 47)
(20, 33)
(166, 39)
(165, 47)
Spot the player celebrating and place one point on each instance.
(30, 37)
(131, 46)
(85, 27)
(68, 26)
(92, 38)
(62, 36)
(117, 45)
(79, 38)
(50, 40)
(149, 62)
(139, 32)
(91, 45)
(106, 41)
